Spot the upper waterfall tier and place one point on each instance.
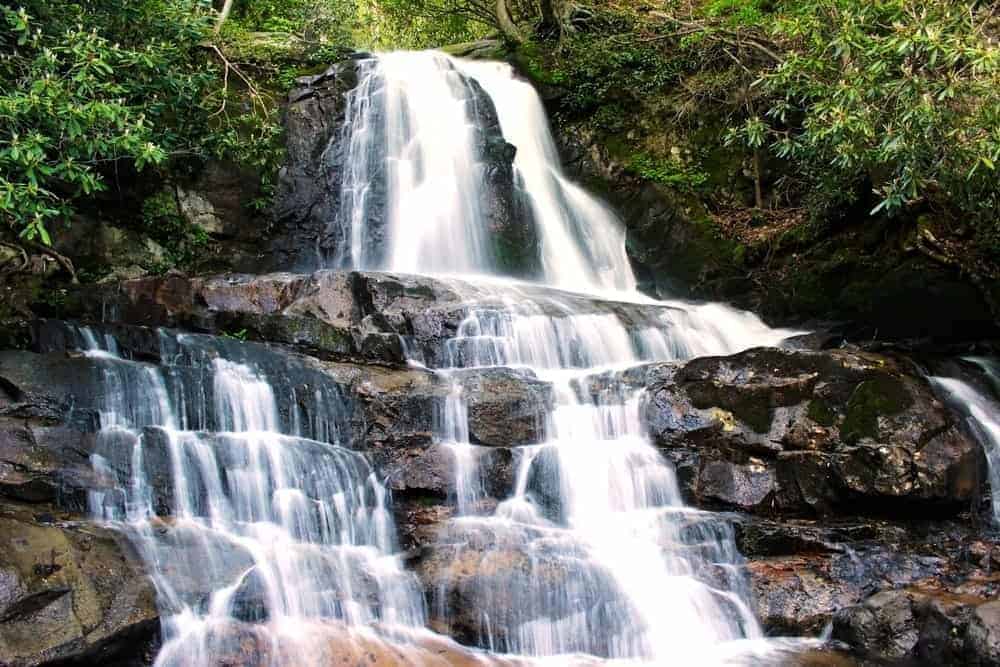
(421, 163)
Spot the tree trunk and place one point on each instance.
(227, 7)
(506, 23)
(758, 189)
(551, 19)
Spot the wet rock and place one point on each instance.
(322, 643)
(797, 595)
(505, 408)
(307, 197)
(932, 622)
(884, 624)
(373, 317)
(71, 593)
(813, 432)
(49, 423)
(483, 576)
(804, 574)
(982, 641)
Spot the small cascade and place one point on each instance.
(583, 242)
(221, 489)
(614, 564)
(982, 414)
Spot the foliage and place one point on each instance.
(316, 21)
(903, 93)
(420, 24)
(672, 171)
(163, 223)
(86, 86)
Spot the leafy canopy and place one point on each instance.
(86, 86)
(903, 93)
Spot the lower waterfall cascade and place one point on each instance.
(290, 524)
(230, 465)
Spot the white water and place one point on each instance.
(583, 242)
(285, 531)
(289, 528)
(982, 413)
(412, 149)
(612, 562)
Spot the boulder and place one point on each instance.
(505, 408)
(216, 201)
(485, 575)
(813, 433)
(933, 623)
(71, 593)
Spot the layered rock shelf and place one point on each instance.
(856, 496)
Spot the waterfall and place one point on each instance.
(610, 562)
(982, 414)
(583, 242)
(220, 493)
(232, 476)
(412, 187)
(414, 193)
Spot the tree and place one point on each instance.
(85, 89)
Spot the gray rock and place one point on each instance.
(813, 433)
(71, 593)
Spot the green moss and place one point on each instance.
(739, 255)
(883, 395)
(821, 413)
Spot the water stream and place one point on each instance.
(220, 475)
(982, 414)
(222, 493)
(609, 561)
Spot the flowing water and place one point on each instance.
(221, 476)
(222, 493)
(609, 560)
(982, 414)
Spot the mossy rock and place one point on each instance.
(882, 395)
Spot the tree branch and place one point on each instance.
(227, 7)
(63, 261)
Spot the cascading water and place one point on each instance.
(233, 479)
(412, 184)
(610, 562)
(583, 242)
(982, 413)
(222, 494)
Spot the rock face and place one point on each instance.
(308, 203)
(848, 483)
(357, 316)
(308, 185)
(71, 593)
(51, 401)
(812, 433)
